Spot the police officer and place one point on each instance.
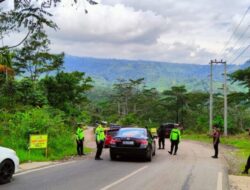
(175, 137)
(247, 167)
(161, 132)
(216, 141)
(79, 139)
(100, 138)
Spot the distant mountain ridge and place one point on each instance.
(160, 75)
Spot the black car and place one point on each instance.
(133, 142)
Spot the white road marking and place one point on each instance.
(219, 181)
(42, 168)
(123, 179)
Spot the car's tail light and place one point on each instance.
(114, 141)
(142, 142)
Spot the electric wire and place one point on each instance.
(236, 43)
(235, 30)
(241, 53)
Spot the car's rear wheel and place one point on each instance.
(112, 156)
(149, 155)
(7, 169)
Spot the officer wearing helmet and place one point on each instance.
(100, 138)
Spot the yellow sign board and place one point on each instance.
(38, 141)
(153, 130)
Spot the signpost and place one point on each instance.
(39, 142)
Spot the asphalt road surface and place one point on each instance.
(192, 169)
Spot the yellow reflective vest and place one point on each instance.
(175, 134)
(99, 133)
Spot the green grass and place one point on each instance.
(241, 141)
(39, 154)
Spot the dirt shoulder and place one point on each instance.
(234, 165)
(239, 182)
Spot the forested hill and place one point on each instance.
(161, 75)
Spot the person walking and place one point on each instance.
(161, 132)
(216, 141)
(100, 138)
(247, 167)
(175, 137)
(80, 139)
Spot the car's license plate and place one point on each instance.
(128, 142)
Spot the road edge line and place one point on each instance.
(42, 168)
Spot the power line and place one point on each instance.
(236, 28)
(241, 53)
(237, 41)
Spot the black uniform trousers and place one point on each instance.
(247, 167)
(79, 147)
(161, 142)
(99, 149)
(174, 146)
(216, 149)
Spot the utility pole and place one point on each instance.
(211, 97)
(225, 98)
(225, 94)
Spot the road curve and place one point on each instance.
(192, 169)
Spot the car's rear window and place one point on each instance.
(112, 132)
(138, 133)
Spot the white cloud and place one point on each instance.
(165, 30)
(110, 24)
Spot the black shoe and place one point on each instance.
(175, 154)
(214, 156)
(98, 159)
(170, 152)
(163, 148)
(159, 148)
(245, 172)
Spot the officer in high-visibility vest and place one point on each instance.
(175, 137)
(80, 139)
(100, 138)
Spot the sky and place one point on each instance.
(179, 31)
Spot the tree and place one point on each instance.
(176, 98)
(66, 90)
(34, 59)
(30, 15)
(126, 91)
(242, 76)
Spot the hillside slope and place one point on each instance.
(160, 75)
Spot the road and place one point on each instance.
(192, 169)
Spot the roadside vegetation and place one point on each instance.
(38, 97)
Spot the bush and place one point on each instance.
(16, 128)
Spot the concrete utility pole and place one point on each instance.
(211, 97)
(225, 98)
(225, 94)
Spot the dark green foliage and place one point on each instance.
(34, 59)
(242, 75)
(66, 90)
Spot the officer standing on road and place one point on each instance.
(175, 137)
(216, 141)
(161, 132)
(79, 139)
(100, 138)
(247, 167)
